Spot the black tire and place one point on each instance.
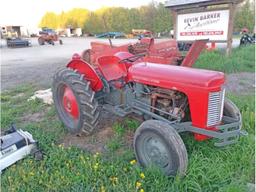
(164, 139)
(41, 41)
(61, 42)
(84, 95)
(86, 55)
(231, 110)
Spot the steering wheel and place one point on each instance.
(132, 58)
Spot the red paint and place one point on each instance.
(194, 53)
(195, 83)
(89, 72)
(200, 33)
(69, 103)
(164, 52)
(99, 49)
(111, 68)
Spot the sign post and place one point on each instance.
(230, 28)
(204, 19)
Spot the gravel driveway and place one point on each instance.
(37, 64)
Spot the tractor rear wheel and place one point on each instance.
(86, 55)
(74, 101)
(157, 143)
(51, 42)
(41, 41)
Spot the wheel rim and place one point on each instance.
(69, 108)
(155, 151)
(69, 103)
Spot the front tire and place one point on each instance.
(157, 143)
(231, 110)
(74, 101)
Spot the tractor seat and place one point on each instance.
(111, 68)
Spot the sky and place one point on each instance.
(29, 12)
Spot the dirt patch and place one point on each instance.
(34, 117)
(19, 95)
(98, 140)
(240, 83)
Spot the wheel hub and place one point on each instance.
(69, 103)
(156, 152)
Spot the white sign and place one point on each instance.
(212, 25)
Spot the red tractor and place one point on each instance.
(172, 99)
(48, 36)
(165, 52)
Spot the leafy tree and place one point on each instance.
(76, 17)
(245, 16)
(94, 24)
(50, 20)
(154, 17)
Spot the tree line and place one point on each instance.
(154, 17)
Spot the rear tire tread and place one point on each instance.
(89, 108)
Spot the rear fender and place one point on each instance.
(87, 70)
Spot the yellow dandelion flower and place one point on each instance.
(133, 162)
(102, 189)
(142, 190)
(96, 155)
(142, 176)
(96, 166)
(114, 180)
(138, 184)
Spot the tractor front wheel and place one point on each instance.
(231, 110)
(74, 101)
(156, 143)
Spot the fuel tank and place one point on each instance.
(175, 77)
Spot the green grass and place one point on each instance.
(71, 169)
(241, 60)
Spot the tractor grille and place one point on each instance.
(215, 107)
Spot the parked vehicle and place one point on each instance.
(172, 99)
(111, 35)
(247, 39)
(17, 42)
(48, 36)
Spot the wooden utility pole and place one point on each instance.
(232, 8)
(174, 16)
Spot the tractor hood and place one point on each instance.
(170, 76)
